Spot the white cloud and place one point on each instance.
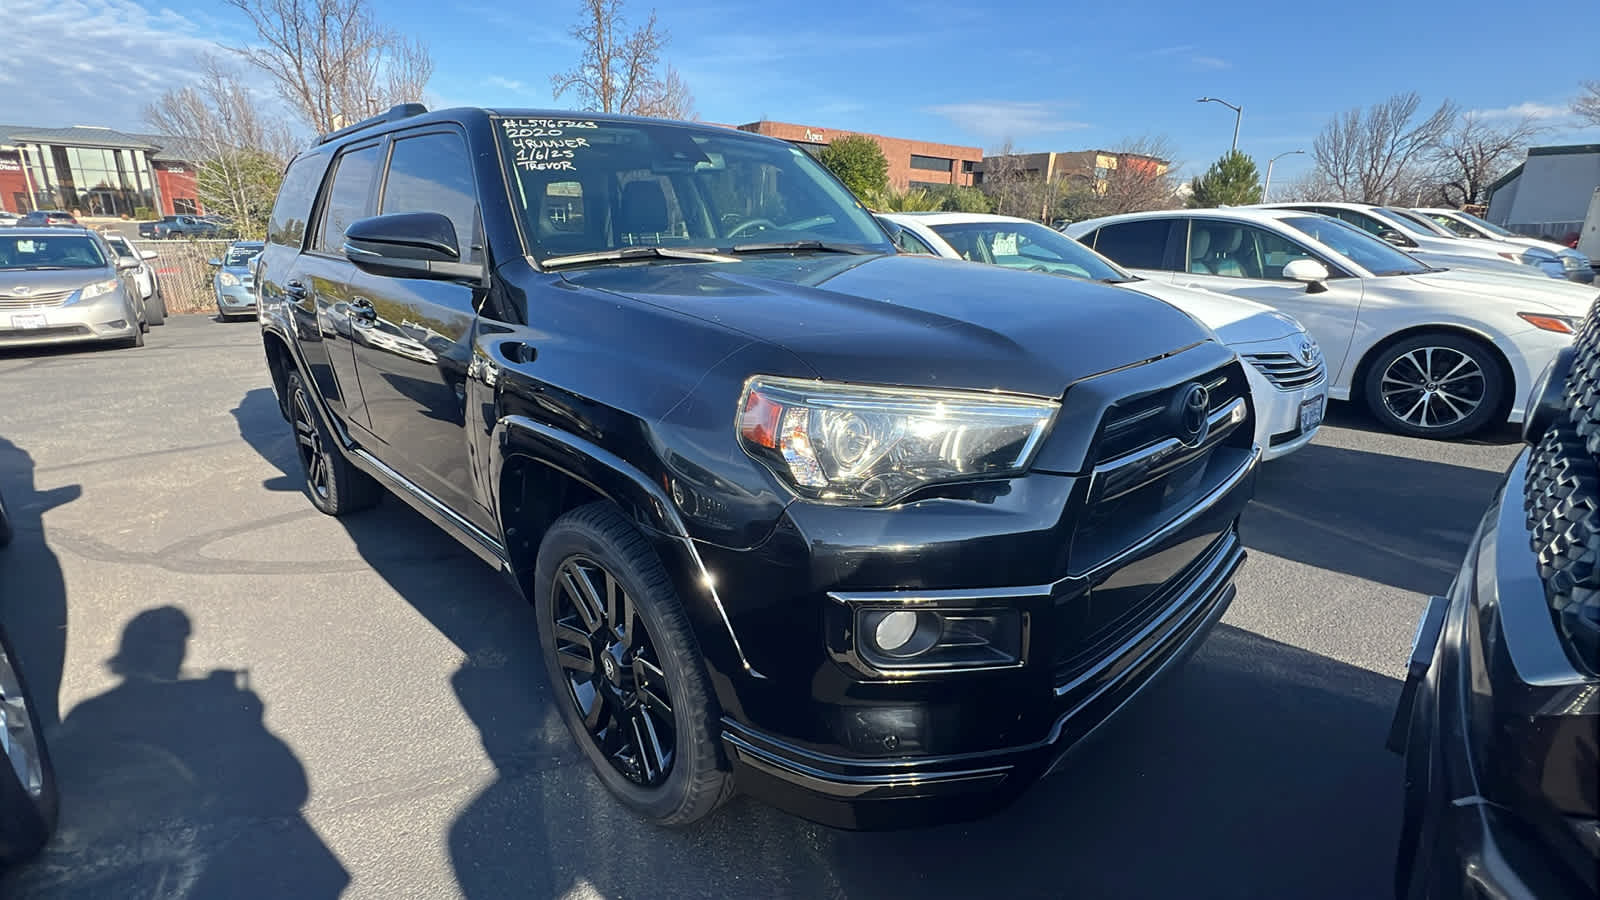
(137, 55)
(1528, 109)
(508, 84)
(1002, 119)
(1210, 62)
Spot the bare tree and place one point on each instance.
(1366, 156)
(1475, 152)
(331, 61)
(1011, 189)
(238, 152)
(1586, 105)
(619, 71)
(1142, 178)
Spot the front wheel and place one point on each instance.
(28, 802)
(1436, 386)
(626, 668)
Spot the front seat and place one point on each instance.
(1226, 253)
(643, 218)
(1199, 248)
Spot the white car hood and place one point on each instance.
(1562, 297)
(1235, 320)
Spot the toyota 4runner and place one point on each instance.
(874, 537)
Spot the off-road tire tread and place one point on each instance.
(711, 785)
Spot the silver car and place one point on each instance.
(235, 281)
(144, 276)
(64, 284)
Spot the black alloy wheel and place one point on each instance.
(613, 673)
(308, 441)
(335, 486)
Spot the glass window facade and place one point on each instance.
(92, 181)
(931, 163)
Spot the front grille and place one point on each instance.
(1136, 422)
(35, 301)
(1286, 371)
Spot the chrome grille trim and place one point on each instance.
(35, 301)
(1286, 371)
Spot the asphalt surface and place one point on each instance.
(360, 709)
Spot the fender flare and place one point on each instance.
(617, 480)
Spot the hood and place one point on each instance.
(916, 320)
(1234, 319)
(1555, 295)
(24, 282)
(1496, 265)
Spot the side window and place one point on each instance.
(347, 197)
(433, 173)
(1234, 250)
(292, 210)
(908, 242)
(1140, 244)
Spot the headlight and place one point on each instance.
(229, 279)
(1558, 324)
(97, 289)
(1537, 257)
(872, 445)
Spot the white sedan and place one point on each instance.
(1288, 380)
(1576, 266)
(1435, 352)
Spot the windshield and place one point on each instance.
(1361, 248)
(240, 255)
(1486, 225)
(583, 186)
(120, 245)
(1401, 223)
(1423, 224)
(1027, 245)
(74, 251)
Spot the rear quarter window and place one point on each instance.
(292, 210)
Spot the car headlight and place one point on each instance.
(1558, 324)
(99, 288)
(848, 443)
(1534, 257)
(229, 279)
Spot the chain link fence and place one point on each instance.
(184, 270)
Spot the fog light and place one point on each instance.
(895, 629)
(901, 633)
(938, 639)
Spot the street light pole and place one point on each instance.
(1268, 185)
(1238, 113)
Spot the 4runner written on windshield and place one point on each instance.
(543, 145)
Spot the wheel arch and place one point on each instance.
(280, 362)
(1358, 379)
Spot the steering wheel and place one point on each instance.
(748, 224)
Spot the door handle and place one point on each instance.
(362, 311)
(296, 290)
(519, 352)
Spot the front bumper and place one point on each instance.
(1499, 734)
(1278, 423)
(105, 318)
(235, 298)
(864, 753)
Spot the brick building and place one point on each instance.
(94, 171)
(1090, 167)
(911, 163)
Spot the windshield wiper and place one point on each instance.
(787, 246)
(701, 254)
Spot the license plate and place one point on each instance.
(1311, 414)
(28, 320)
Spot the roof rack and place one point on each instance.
(395, 113)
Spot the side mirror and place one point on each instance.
(125, 264)
(1309, 271)
(416, 245)
(147, 254)
(213, 262)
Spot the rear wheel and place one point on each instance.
(335, 486)
(626, 669)
(1435, 386)
(27, 781)
(155, 312)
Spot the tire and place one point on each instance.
(1468, 384)
(155, 312)
(334, 485)
(6, 534)
(651, 649)
(27, 812)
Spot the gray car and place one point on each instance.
(235, 280)
(64, 284)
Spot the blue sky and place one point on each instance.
(1048, 75)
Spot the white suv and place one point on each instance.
(1288, 379)
(1435, 353)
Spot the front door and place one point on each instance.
(1244, 260)
(413, 336)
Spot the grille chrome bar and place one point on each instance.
(1288, 372)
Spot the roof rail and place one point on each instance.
(395, 113)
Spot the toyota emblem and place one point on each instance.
(1308, 351)
(1194, 415)
(21, 290)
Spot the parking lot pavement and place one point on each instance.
(256, 700)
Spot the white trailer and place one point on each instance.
(1589, 234)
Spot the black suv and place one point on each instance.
(1499, 719)
(876, 536)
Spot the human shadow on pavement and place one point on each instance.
(172, 786)
(1398, 521)
(33, 592)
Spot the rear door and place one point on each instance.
(413, 336)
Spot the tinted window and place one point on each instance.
(347, 197)
(293, 208)
(432, 173)
(1140, 244)
(930, 163)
